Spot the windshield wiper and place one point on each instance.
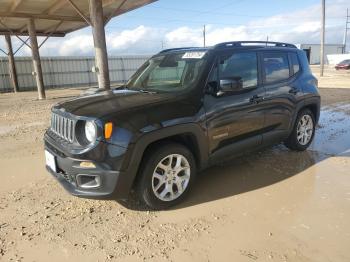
(146, 91)
(121, 87)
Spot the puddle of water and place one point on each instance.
(333, 134)
(6, 129)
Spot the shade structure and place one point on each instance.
(57, 17)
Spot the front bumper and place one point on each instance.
(107, 160)
(68, 172)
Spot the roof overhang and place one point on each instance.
(57, 17)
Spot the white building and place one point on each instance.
(313, 51)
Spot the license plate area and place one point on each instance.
(50, 161)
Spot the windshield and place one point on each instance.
(168, 72)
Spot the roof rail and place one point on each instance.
(247, 43)
(175, 49)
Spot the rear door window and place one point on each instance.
(294, 62)
(276, 67)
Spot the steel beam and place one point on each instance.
(42, 16)
(16, 33)
(76, 8)
(19, 48)
(98, 31)
(36, 60)
(12, 67)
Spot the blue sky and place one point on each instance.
(197, 12)
(170, 23)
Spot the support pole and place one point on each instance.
(12, 67)
(98, 31)
(204, 32)
(322, 37)
(346, 30)
(36, 59)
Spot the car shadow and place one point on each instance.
(250, 172)
(243, 174)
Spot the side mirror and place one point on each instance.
(231, 85)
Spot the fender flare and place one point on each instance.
(137, 150)
(311, 101)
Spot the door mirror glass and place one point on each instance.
(231, 85)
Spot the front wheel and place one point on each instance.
(167, 174)
(303, 131)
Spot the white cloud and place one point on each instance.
(78, 44)
(126, 38)
(183, 36)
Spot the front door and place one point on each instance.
(234, 120)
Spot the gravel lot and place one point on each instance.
(273, 205)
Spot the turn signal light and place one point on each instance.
(108, 130)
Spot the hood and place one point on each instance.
(108, 102)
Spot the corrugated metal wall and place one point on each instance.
(67, 71)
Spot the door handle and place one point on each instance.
(256, 99)
(293, 91)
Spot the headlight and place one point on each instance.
(90, 131)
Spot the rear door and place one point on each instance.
(234, 121)
(280, 78)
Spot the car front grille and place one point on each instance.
(63, 127)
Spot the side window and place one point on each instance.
(294, 62)
(276, 67)
(241, 66)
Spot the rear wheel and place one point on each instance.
(167, 174)
(303, 131)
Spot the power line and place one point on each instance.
(167, 20)
(229, 14)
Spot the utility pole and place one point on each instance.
(204, 36)
(346, 30)
(323, 24)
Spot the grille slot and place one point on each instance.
(63, 127)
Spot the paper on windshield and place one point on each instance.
(193, 55)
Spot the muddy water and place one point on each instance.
(333, 133)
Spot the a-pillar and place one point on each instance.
(98, 32)
(36, 59)
(12, 67)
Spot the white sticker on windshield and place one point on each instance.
(193, 55)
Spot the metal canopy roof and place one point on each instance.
(57, 17)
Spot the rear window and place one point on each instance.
(276, 67)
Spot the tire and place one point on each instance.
(297, 141)
(157, 176)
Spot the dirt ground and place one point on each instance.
(273, 205)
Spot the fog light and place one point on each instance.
(87, 165)
(88, 181)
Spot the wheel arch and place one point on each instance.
(190, 135)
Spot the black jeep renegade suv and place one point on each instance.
(183, 110)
